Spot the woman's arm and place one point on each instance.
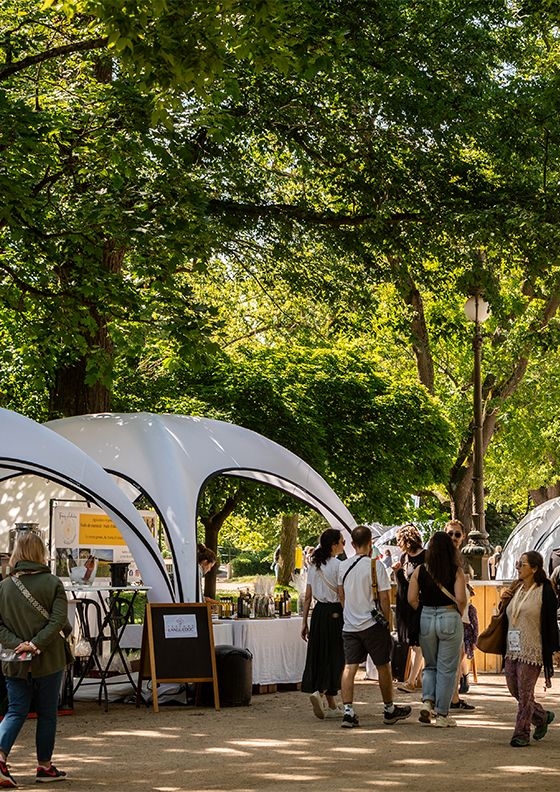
(306, 605)
(414, 590)
(460, 590)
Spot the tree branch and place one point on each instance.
(419, 336)
(55, 52)
(217, 205)
(27, 288)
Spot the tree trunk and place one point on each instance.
(288, 542)
(419, 335)
(460, 484)
(212, 525)
(71, 394)
(543, 494)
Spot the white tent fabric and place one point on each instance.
(538, 530)
(171, 457)
(28, 498)
(27, 447)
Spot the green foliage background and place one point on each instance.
(272, 213)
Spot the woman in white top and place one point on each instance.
(325, 654)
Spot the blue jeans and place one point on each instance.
(441, 637)
(44, 693)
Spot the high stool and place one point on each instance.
(88, 611)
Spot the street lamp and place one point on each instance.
(477, 310)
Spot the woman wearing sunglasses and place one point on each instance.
(532, 638)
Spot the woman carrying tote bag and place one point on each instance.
(532, 639)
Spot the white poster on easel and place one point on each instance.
(79, 529)
(183, 626)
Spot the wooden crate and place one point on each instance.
(486, 598)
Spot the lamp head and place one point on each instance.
(477, 309)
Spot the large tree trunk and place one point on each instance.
(71, 393)
(419, 336)
(288, 542)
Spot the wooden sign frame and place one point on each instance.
(177, 658)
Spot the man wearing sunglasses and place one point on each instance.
(454, 528)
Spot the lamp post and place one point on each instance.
(477, 310)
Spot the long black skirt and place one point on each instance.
(325, 654)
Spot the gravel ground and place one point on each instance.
(277, 743)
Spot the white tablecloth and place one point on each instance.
(223, 633)
(277, 648)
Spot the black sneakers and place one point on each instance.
(398, 713)
(461, 705)
(47, 774)
(6, 780)
(349, 721)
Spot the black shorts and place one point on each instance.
(376, 642)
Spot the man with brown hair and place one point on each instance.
(364, 587)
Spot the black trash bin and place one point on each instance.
(234, 669)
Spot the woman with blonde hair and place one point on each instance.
(33, 617)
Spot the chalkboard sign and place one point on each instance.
(178, 646)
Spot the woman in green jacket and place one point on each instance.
(33, 612)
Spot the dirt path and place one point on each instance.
(277, 743)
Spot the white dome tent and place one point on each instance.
(538, 530)
(26, 447)
(170, 458)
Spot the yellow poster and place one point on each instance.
(98, 530)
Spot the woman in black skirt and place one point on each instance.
(413, 554)
(325, 655)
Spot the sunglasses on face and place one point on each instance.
(456, 534)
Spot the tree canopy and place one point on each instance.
(202, 199)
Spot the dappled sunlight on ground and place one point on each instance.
(277, 744)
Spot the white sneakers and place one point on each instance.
(321, 709)
(316, 700)
(444, 722)
(425, 715)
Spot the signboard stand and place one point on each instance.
(177, 646)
